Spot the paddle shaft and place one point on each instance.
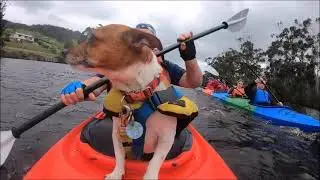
(17, 131)
(262, 82)
(224, 25)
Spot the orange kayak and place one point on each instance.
(70, 158)
(208, 91)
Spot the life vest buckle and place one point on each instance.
(125, 115)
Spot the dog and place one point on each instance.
(125, 56)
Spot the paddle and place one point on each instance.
(235, 23)
(8, 138)
(207, 68)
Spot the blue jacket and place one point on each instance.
(258, 96)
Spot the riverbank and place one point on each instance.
(25, 54)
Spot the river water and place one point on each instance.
(252, 148)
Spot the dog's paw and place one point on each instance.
(150, 176)
(114, 175)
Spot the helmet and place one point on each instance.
(146, 26)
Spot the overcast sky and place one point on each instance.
(170, 18)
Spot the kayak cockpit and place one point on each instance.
(98, 135)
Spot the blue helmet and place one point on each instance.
(146, 26)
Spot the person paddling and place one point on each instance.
(237, 91)
(217, 85)
(257, 93)
(189, 78)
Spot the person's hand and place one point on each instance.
(73, 93)
(187, 50)
(280, 103)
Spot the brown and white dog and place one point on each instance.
(124, 55)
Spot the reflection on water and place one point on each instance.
(252, 148)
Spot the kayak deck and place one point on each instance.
(278, 115)
(72, 159)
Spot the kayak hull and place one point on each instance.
(277, 115)
(69, 158)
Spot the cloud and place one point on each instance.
(34, 6)
(170, 18)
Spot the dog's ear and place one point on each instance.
(91, 37)
(137, 39)
(76, 54)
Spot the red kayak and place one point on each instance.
(71, 158)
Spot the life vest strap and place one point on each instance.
(160, 97)
(141, 96)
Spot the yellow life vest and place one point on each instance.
(181, 108)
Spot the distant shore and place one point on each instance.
(9, 52)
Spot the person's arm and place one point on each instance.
(192, 78)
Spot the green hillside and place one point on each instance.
(49, 41)
(60, 34)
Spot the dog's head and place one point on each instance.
(114, 47)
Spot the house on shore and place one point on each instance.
(20, 37)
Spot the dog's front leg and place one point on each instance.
(119, 152)
(166, 134)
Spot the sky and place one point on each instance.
(170, 18)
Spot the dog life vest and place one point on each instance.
(170, 102)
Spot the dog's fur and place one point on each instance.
(120, 48)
